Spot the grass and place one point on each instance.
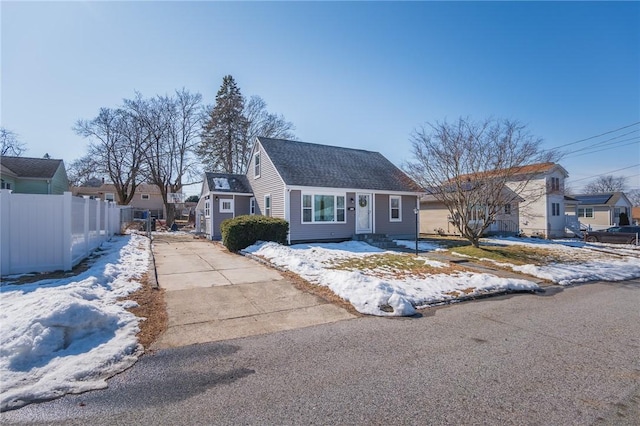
(516, 255)
(397, 265)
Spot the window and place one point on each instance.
(144, 196)
(5, 185)
(585, 212)
(477, 213)
(555, 209)
(256, 165)
(555, 184)
(226, 205)
(109, 196)
(318, 208)
(252, 206)
(507, 209)
(207, 208)
(267, 205)
(395, 208)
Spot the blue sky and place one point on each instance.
(357, 74)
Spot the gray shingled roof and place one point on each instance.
(226, 182)
(309, 164)
(26, 167)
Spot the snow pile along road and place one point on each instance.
(70, 335)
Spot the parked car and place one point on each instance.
(615, 234)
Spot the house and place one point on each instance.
(599, 211)
(223, 196)
(147, 196)
(541, 185)
(534, 203)
(326, 193)
(435, 218)
(635, 215)
(25, 175)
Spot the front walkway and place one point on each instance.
(213, 295)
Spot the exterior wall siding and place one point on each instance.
(435, 217)
(269, 183)
(26, 186)
(383, 224)
(319, 231)
(60, 183)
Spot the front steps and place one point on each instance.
(377, 240)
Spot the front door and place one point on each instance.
(364, 214)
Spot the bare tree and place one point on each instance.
(82, 170)
(634, 197)
(173, 126)
(467, 165)
(11, 145)
(605, 184)
(117, 144)
(260, 122)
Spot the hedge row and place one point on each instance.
(242, 231)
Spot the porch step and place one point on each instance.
(377, 240)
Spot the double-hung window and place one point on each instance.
(226, 205)
(256, 165)
(507, 209)
(252, 206)
(395, 208)
(585, 212)
(320, 208)
(267, 205)
(109, 196)
(207, 208)
(555, 209)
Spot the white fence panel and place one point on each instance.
(40, 233)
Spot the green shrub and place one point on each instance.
(242, 231)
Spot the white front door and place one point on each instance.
(364, 214)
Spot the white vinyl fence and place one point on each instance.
(40, 233)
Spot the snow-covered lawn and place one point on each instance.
(582, 261)
(69, 335)
(382, 290)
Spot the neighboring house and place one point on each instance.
(435, 218)
(25, 175)
(542, 211)
(147, 197)
(223, 196)
(635, 215)
(534, 204)
(599, 211)
(326, 193)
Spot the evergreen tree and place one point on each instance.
(224, 147)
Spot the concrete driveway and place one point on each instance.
(213, 295)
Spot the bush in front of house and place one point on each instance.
(242, 231)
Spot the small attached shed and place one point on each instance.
(223, 196)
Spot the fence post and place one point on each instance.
(67, 218)
(86, 225)
(5, 232)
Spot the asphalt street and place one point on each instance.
(571, 356)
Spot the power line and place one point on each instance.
(597, 136)
(607, 173)
(603, 149)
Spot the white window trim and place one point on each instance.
(399, 198)
(107, 194)
(221, 203)
(257, 165)
(252, 206)
(207, 208)
(335, 207)
(144, 196)
(268, 213)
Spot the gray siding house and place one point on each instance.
(223, 196)
(328, 193)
